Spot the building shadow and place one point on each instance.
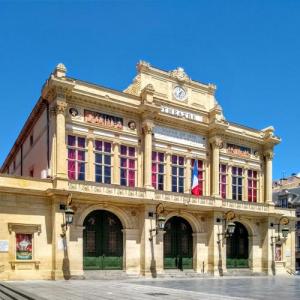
(153, 261)
(220, 261)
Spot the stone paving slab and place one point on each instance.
(229, 288)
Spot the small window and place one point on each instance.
(31, 139)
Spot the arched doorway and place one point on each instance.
(102, 241)
(237, 248)
(178, 244)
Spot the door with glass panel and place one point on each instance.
(178, 244)
(237, 248)
(102, 241)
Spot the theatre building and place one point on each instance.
(100, 179)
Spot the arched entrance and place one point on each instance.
(237, 248)
(178, 244)
(102, 241)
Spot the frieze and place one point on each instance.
(103, 120)
(178, 136)
(181, 114)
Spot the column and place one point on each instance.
(147, 130)
(245, 185)
(216, 144)
(90, 158)
(116, 163)
(188, 174)
(59, 109)
(216, 245)
(268, 175)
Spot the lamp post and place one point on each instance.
(160, 221)
(228, 224)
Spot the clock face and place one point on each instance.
(179, 93)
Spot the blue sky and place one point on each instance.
(249, 49)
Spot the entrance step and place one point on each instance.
(107, 274)
(242, 272)
(181, 274)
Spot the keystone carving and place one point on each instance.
(179, 74)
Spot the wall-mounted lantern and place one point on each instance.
(160, 221)
(282, 224)
(229, 226)
(68, 215)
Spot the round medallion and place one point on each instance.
(179, 93)
(284, 221)
(73, 112)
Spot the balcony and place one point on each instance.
(117, 192)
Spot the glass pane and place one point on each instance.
(181, 160)
(98, 145)
(107, 179)
(180, 181)
(240, 181)
(254, 184)
(81, 142)
(174, 159)
(71, 153)
(123, 181)
(161, 179)
(174, 188)
(107, 171)
(131, 151)
(123, 173)
(180, 189)
(234, 180)
(81, 155)
(123, 162)
(249, 183)
(98, 178)
(240, 171)
(81, 167)
(181, 171)
(200, 164)
(98, 169)
(131, 177)
(154, 155)
(160, 168)
(174, 180)
(161, 157)
(234, 170)
(132, 164)
(107, 159)
(107, 147)
(174, 170)
(154, 169)
(240, 190)
(80, 176)
(123, 150)
(71, 140)
(254, 174)
(98, 158)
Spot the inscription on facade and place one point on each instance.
(103, 120)
(181, 114)
(180, 137)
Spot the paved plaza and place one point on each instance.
(286, 288)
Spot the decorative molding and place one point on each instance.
(180, 137)
(216, 142)
(179, 74)
(269, 154)
(22, 227)
(59, 108)
(147, 127)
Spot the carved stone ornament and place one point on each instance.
(132, 125)
(149, 88)
(216, 142)
(59, 108)
(148, 127)
(73, 112)
(179, 74)
(269, 155)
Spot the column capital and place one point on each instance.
(59, 107)
(147, 126)
(216, 142)
(268, 154)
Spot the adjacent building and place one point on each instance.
(122, 162)
(286, 194)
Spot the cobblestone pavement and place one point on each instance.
(229, 288)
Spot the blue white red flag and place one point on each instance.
(195, 181)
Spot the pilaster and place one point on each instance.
(269, 155)
(91, 158)
(116, 163)
(147, 130)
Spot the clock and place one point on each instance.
(179, 93)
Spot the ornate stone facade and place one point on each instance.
(121, 155)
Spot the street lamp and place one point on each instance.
(283, 222)
(160, 220)
(69, 215)
(228, 224)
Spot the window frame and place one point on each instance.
(127, 168)
(177, 176)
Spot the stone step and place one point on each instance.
(107, 274)
(242, 272)
(181, 274)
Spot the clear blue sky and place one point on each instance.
(249, 49)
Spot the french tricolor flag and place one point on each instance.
(195, 182)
